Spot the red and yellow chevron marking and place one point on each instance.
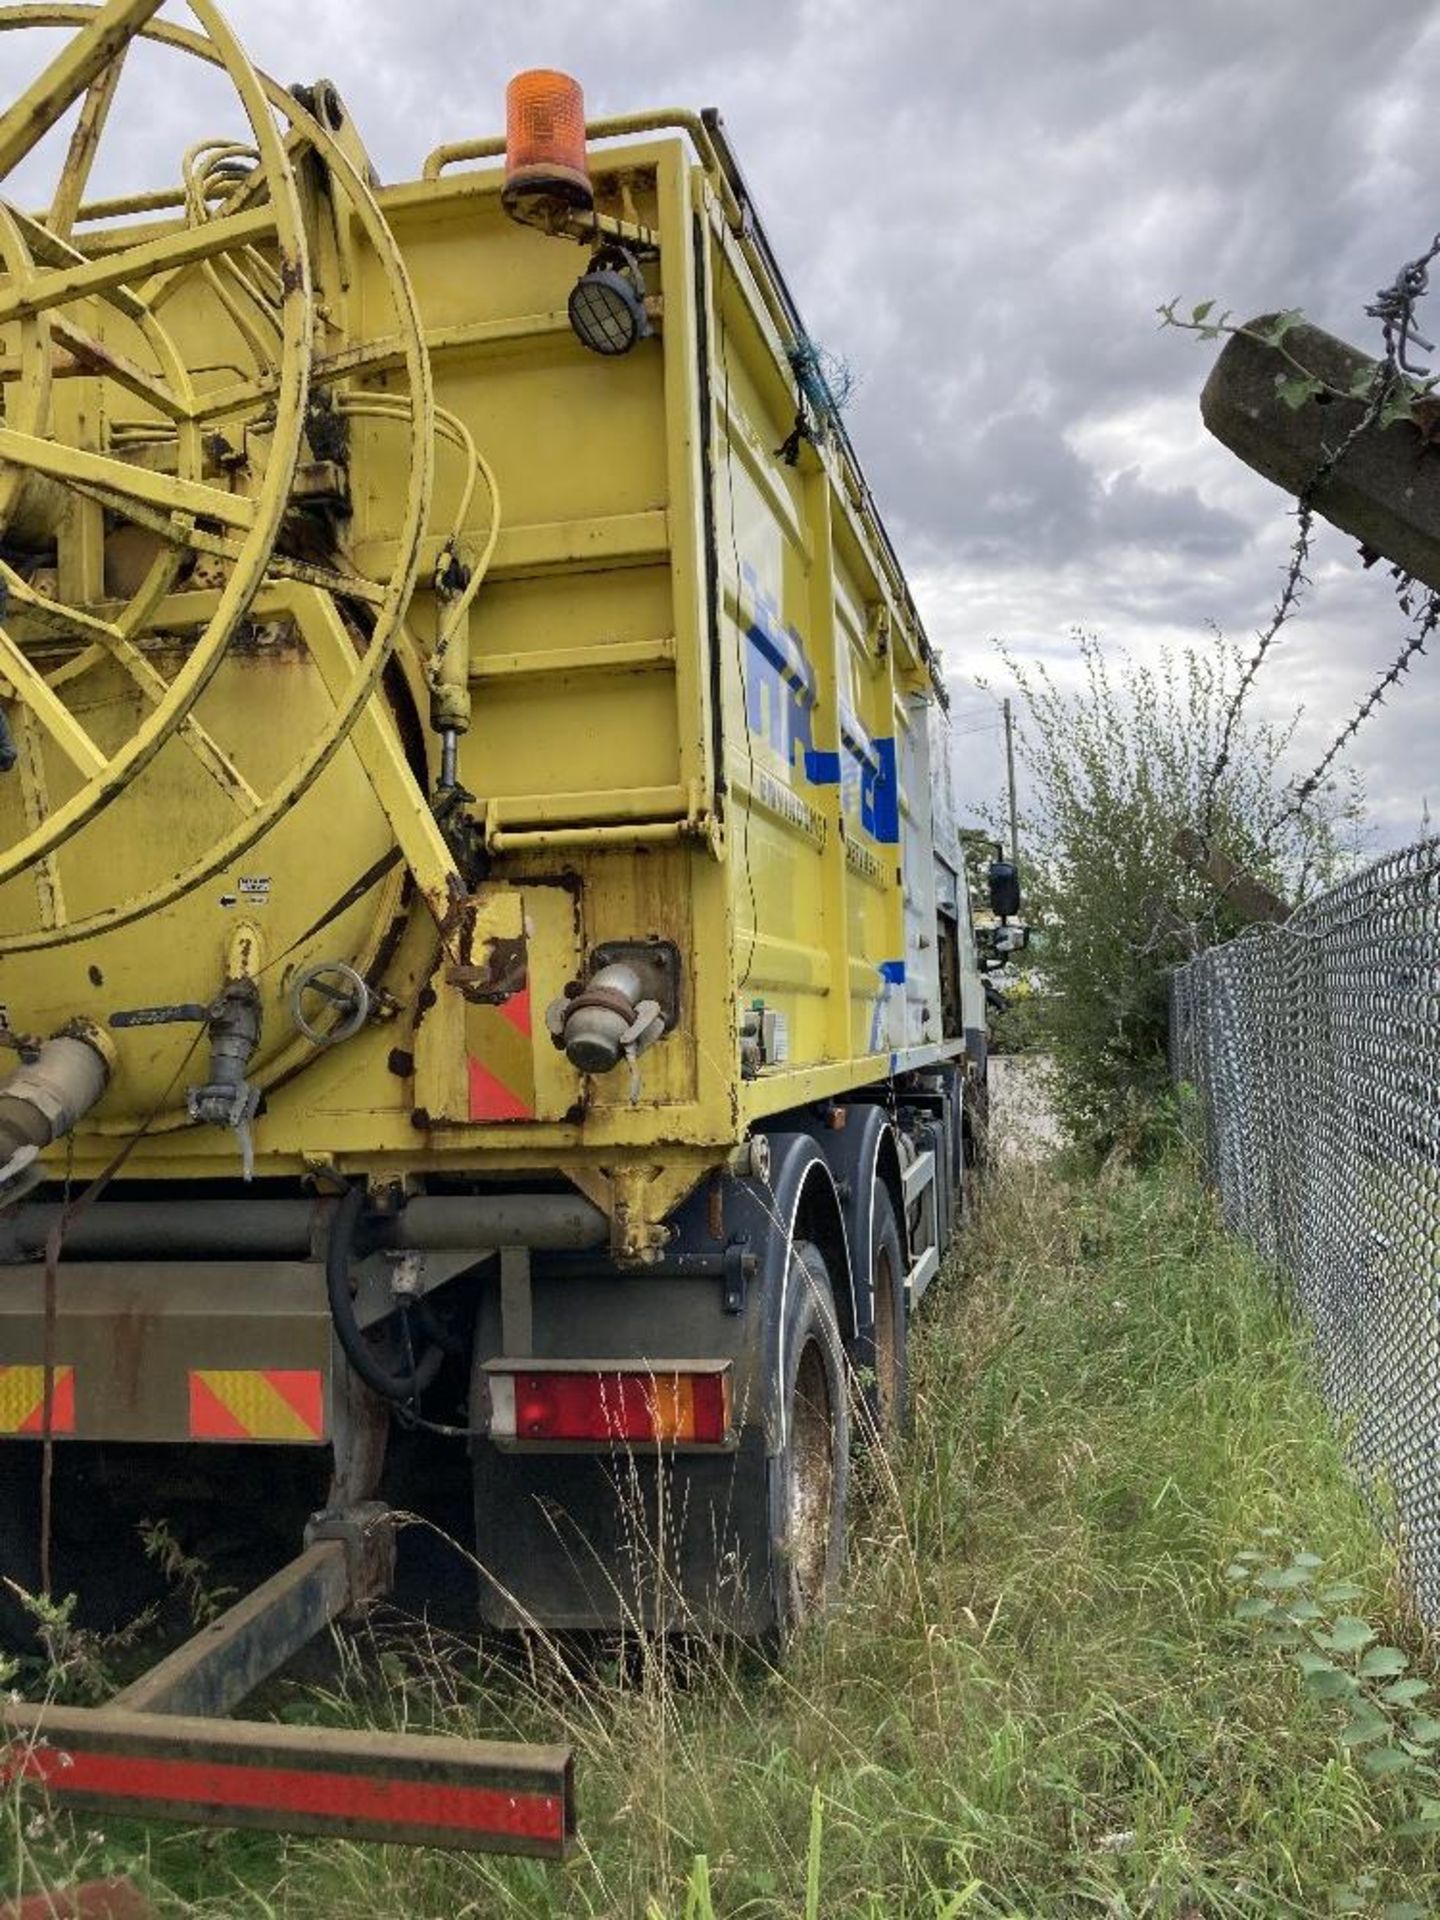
(500, 1054)
(257, 1403)
(22, 1400)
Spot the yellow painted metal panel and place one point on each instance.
(685, 663)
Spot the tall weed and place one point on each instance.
(1034, 1699)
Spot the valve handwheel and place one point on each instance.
(341, 987)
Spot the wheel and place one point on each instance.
(810, 1473)
(889, 1397)
(953, 1133)
(978, 1143)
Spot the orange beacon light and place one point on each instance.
(545, 142)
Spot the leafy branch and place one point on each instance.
(1400, 396)
(1343, 1663)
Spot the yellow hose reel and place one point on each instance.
(151, 500)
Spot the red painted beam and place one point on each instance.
(424, 1790)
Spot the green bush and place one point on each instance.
(1116, 765)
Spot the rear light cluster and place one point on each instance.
(689, 1404)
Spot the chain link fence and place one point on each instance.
(1315, 1048)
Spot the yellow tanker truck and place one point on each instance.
(483, 934)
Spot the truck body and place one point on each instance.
(529, 991)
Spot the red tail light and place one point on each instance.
(687, 1404)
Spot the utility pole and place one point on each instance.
(1227, 876)
(1010, 777)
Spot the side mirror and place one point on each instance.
(1004, 889)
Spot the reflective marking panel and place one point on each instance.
(417, 1789)
(22, 1400)
(390, 1806)
(500, 1057)
(255, 1403)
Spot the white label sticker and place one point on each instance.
(254, 888)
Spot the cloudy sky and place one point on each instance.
(979, 208)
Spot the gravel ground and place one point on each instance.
(1022, 1120)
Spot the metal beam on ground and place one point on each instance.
(227, 1660)
(162, 1749)
(420, 1789)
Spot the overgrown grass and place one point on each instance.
(1034, 1700)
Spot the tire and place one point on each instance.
(955, 1088)
(810, 1473)
(888, 1399)
(965, 1148)
(955, 1129)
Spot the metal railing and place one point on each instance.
(1315, 1048)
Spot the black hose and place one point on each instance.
(403, 1386)
(434, 1329)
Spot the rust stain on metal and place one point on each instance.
(128, 1343)
(89, 356)
(715, 1199)
(504, 971)
(455, 917)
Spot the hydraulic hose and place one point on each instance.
(401, 1385)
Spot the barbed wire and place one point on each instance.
(1305, 790)
(1296, 580)
(1394, 307)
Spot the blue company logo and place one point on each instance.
(780, 706)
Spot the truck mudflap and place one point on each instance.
(162, 1749)
(615, 1536)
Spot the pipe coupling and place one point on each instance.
(44, 1099)
(605, 1021)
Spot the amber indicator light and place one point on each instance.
(545, 136)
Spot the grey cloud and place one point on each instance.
(1017, 493)
(979, 208)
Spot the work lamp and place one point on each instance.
(607, 303)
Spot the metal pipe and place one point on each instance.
(540, 1221)
(291, 1229)
(42, 1100)
(136, 1229)
(639, 833)
(615, 127)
